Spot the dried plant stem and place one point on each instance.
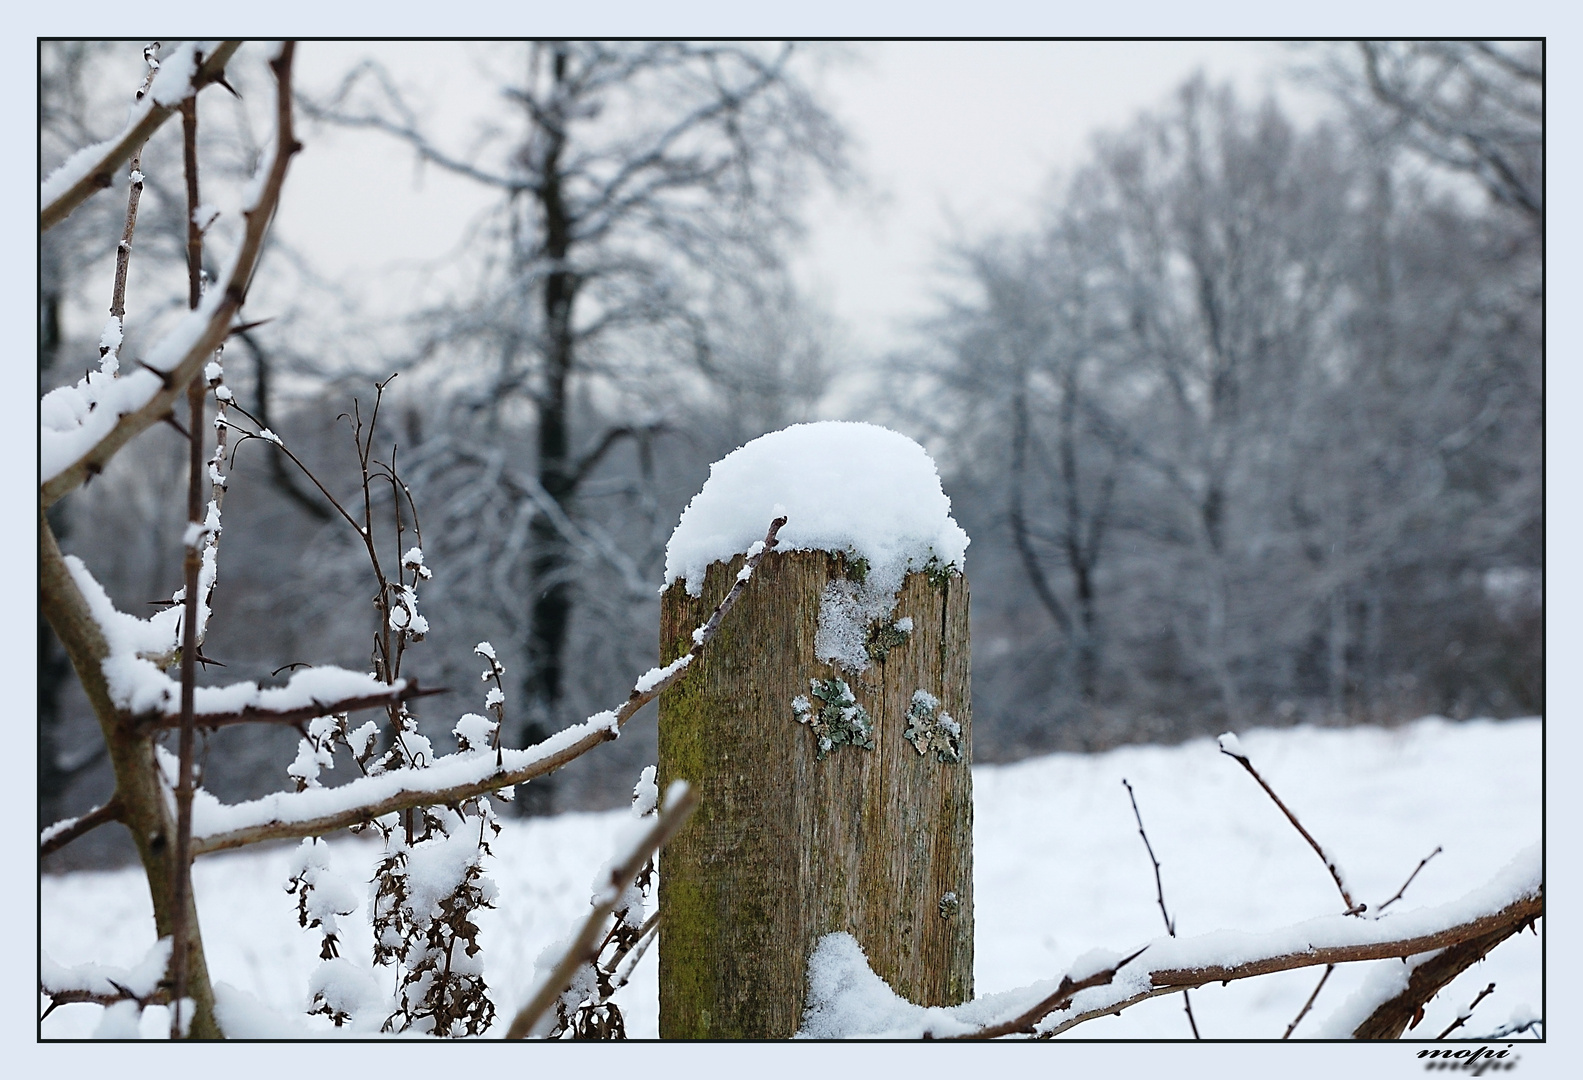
(1353, 908)
(1159, 891)
(1309, 1004)
(583, 948)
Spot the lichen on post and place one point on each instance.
(828, 730)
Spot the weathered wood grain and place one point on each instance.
(785, 847)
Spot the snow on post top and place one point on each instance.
(847, 487)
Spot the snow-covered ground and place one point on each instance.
(1059, 870)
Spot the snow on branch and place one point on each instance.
(83, 426)
(58, 835)
(92, 167)
(104, 985)
(847, 1000)
(450, 779)
(680, 802)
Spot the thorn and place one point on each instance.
(220, 79)
(245, 327)
(164, 376)
(170, 418)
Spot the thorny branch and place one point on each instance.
(408, 690)
(680, 806)
(181, 878)
(217, 327)
(1060, 999)
(1353, 908)
(500, 777)
(1469, 940)
(1159, 889)
(1466, 1014)
(99, 174)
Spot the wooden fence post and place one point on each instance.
(832, 799)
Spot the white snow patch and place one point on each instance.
(845, 487)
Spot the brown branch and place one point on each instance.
(1421, 864)
(1060, 999)
(175, 380)
(1309, 1004)
(100, 174)
(1353, 908)
(1390, 1018)
(501, 777)
(99, 815)
(583, 949)
(252, 714)
(1159, 890)
(192, 561)
(1466, 1014)
(1478, 935)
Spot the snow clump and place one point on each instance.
(862, 490)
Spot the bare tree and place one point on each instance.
(636, 175)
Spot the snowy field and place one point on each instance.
(1059, 870)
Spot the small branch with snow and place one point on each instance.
(62, 833)
(402, 690)
(680, 802)
(92, 168)
(1233, 749)
(1465, 930)
(1025, 1023)
(76, 440)
(452, 779)
(102, 985)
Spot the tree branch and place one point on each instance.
(98, 171)
(178, 357)
(1233, 750)
(583, 949)
(407, 690)
(62, 833)
(455, 778)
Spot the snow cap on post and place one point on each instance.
(845, 487)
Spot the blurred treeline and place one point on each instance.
(1245, 425)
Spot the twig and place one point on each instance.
(1060, 999)
(1159, 890)
(1506, 1030)
(1353, 908)
(498, 778)
(1467, 1013)
(681, 805)
(1421, 864)
(99, 173)
(1309, 1004)
(57, 837)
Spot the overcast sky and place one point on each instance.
(954, 139)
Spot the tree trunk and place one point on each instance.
(787, 846)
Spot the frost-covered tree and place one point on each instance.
(645, 192)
